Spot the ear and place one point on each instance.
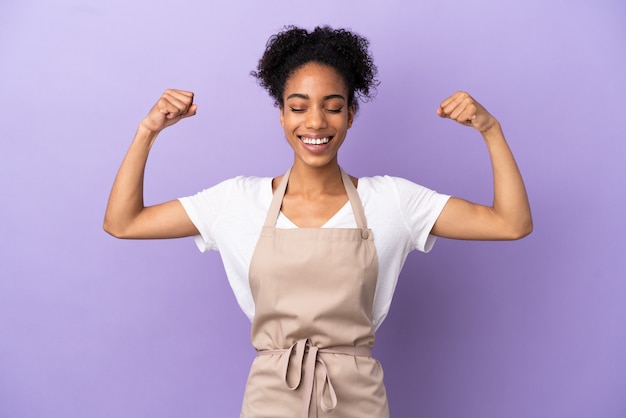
(282, 116)
(351, 110)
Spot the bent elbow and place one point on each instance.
(524, 233)
(522, 230)
(113, 230)
(529, 229)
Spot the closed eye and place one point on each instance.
(301, 110)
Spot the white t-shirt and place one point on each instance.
(400, 213)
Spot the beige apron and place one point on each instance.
(313, 290)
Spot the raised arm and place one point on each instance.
(126, 216)
(509, 216)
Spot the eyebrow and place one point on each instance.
(306, 96)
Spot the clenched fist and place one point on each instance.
(462, 108)
(173, 106)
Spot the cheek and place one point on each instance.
(290, 121)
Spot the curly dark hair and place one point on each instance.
(344, 51)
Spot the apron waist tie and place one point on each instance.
(309, 386)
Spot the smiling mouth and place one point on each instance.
(316, 141)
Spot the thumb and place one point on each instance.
(190, 112)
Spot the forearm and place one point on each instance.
(126, 197)
(510, 201)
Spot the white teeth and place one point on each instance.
(315, 141)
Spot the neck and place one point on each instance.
(315, 180)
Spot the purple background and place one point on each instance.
(91, 326)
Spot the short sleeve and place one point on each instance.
(420, 208)
(204, 209)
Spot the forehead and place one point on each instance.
(314, 78)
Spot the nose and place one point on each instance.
(316, 119)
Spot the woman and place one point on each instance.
(313, 256)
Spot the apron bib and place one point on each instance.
(313, 290)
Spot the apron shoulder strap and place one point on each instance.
(355, 200)
(277, 201)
